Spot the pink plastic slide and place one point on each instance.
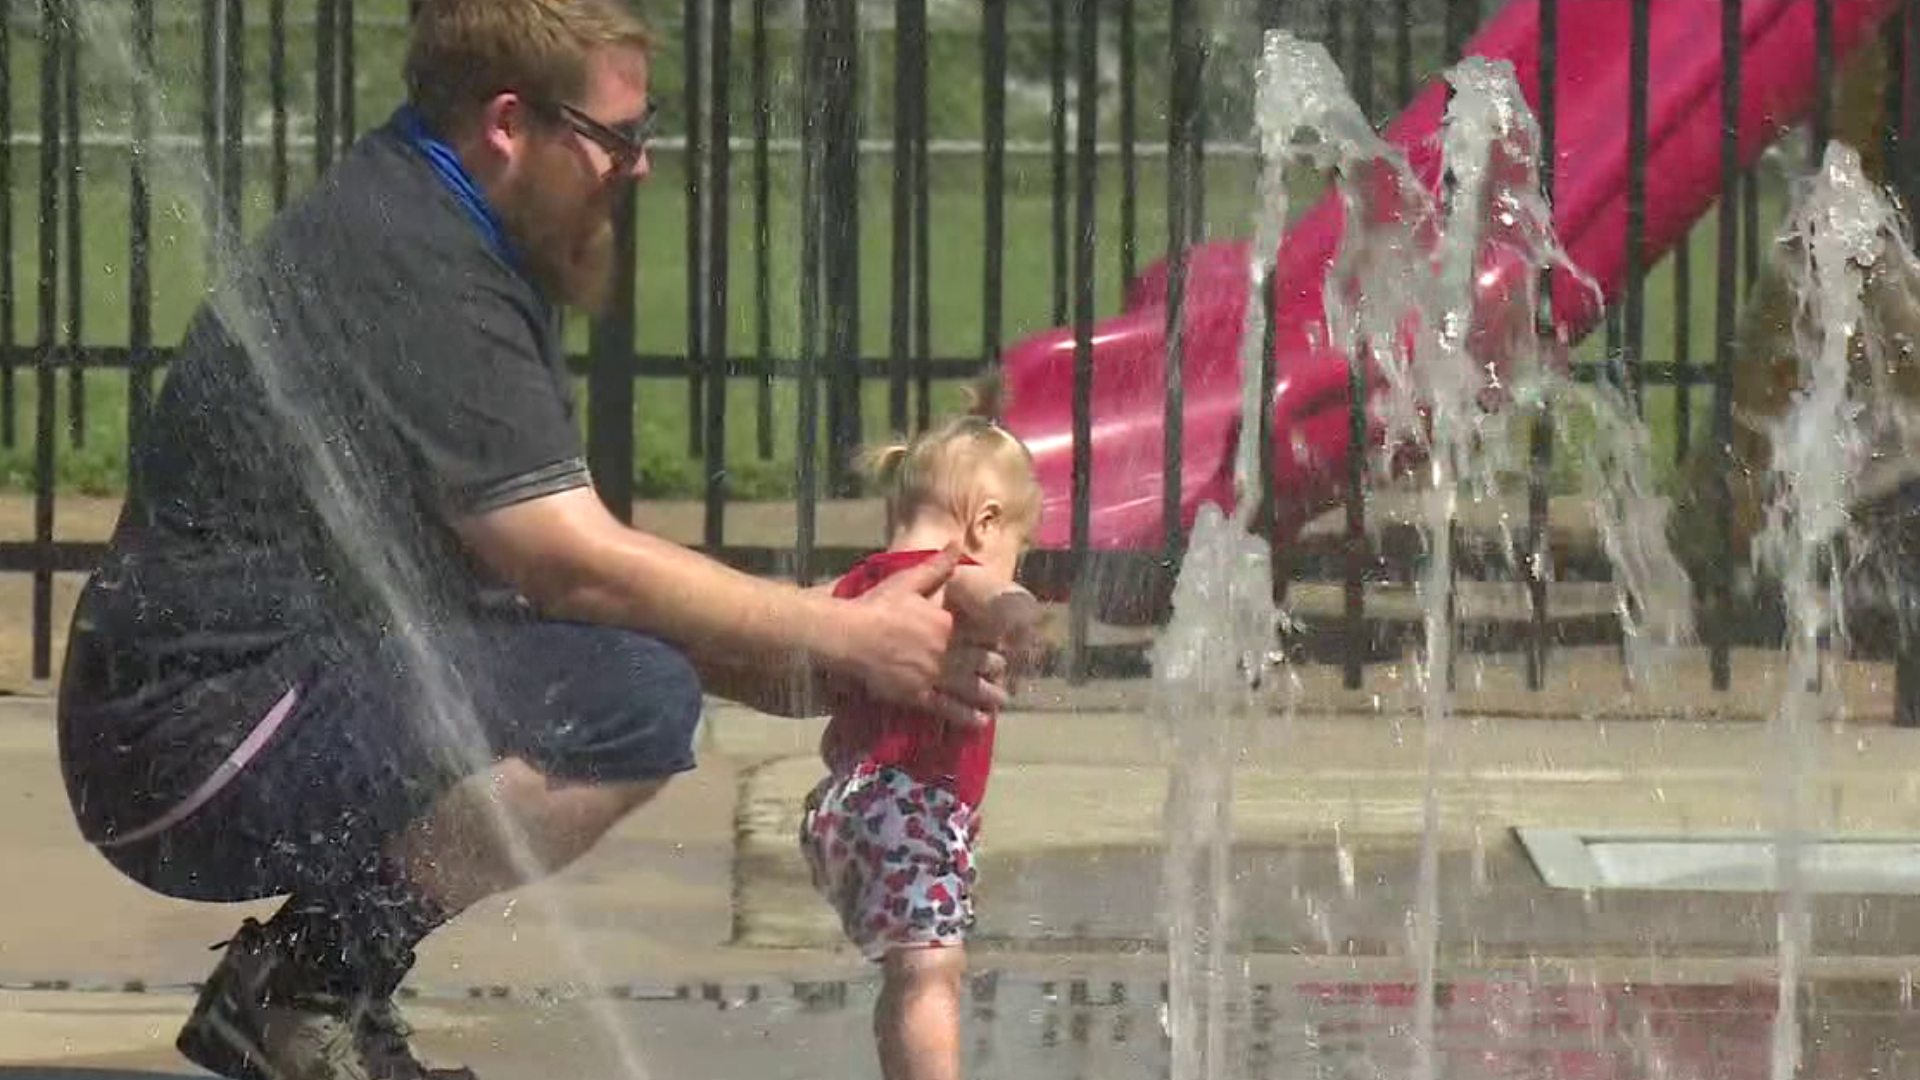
(1778, 77)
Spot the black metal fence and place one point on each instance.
(733, 73)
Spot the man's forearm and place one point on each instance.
(779, 693)
(625, 577)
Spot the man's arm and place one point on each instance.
(573, 559)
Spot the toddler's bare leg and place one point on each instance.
(917, 1019)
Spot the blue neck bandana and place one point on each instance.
(446, 165)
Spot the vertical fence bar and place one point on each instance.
(1402, 53)
(719, 238)
(762, 235)
(900, 321)
(1354, 588)
(922, 232)
(211, 94)
(1057, 84)
(75, 174)
(1461, 17)
(349, 80)
(1683, 374)
(139, 248)
(1906, 155)
(806, 454)
(1823, 84)
(1750, 225)
(1893, 38)
(993, 110)
(1725, 331)
(1903, 110)
(53, 32)
(1197, 146)
(1269, 380)
(1270, 14)
(1086, 218)
(233, 118)
(326, 82)
(693, 62)
(1129, 136)
(277, 90)
(9, 404)
(1540, 441)
(1337, 33)
(841, 190)
(1639, 52)
(1182, 130)
(1362, 65)
(610, 374)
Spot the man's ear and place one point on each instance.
(504, 126)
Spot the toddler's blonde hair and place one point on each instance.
(939, 469)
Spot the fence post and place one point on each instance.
(840, 188)
(900, 314)
(762, 236)
(1540, 439)
(1725, 332)
(993, 82)
(1129, 133)
(807, 441)
(277, 91)
(1086, 219)
(55, 36)
(326, 83)
(610, 373)
(692, 164)
(9, 405)
(1183, 123)
(349, 126)
(76, 265)
(1057, 83)
(139, 248)
(719, 236)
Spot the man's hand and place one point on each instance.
(901, 648)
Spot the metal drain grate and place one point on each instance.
(1732, 862)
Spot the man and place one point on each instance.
(365, 636)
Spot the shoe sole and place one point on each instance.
(218, 1045)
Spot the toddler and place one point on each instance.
(889, 833)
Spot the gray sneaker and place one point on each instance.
(252, 1023)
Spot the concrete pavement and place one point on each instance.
(694, 925)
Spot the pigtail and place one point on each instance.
(985, 396)
(884, 464)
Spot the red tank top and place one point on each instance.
(864, 730)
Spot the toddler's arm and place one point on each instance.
(995, 610)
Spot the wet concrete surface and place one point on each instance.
(1322, 900)
(1093, 1027)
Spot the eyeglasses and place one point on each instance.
(625, 144)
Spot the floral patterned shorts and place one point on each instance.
(894, 856)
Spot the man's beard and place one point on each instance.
(564, 242)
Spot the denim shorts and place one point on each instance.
(376, 734)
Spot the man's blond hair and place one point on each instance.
(463, 52)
